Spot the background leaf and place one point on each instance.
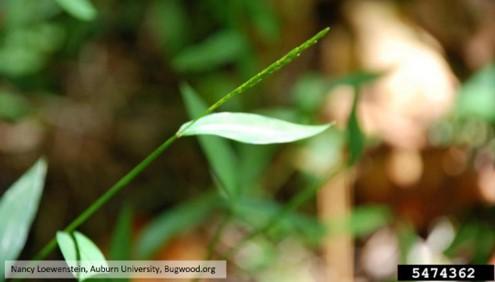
(218, 151)
(355, 137)
(174, 221)
(120, 246)
(251, 128)
(78, 248)
(81, 9)
(219, 49)
(18, 208)
(169, 23)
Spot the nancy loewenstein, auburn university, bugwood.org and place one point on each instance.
(94, 269)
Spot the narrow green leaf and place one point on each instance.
(18, 208)
(171, 222)
(120, 246)
(218, 151)
(355, 136)
(250, 128)
(80, 9)
(79, 250)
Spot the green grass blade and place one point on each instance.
(120, 246)
(355, 136)
(218, 151)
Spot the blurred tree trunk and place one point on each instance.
(334, 204)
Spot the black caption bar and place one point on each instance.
(445, 272)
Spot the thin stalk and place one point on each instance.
(139, 168)
(109, 194)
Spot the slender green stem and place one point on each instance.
(103, 199)
(138, 169)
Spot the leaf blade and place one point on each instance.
(18, 208)
(80, 250)
(250, 128)
(355, 137)
(120, 245)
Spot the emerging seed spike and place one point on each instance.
(278, 64)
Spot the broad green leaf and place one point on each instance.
(219, 49)
(18, 208)
(355, 137)
(80, 9)
(218, 151)
(120, 245)
(79, 250)
(477, 95)
(176, 220)
(250, 128)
